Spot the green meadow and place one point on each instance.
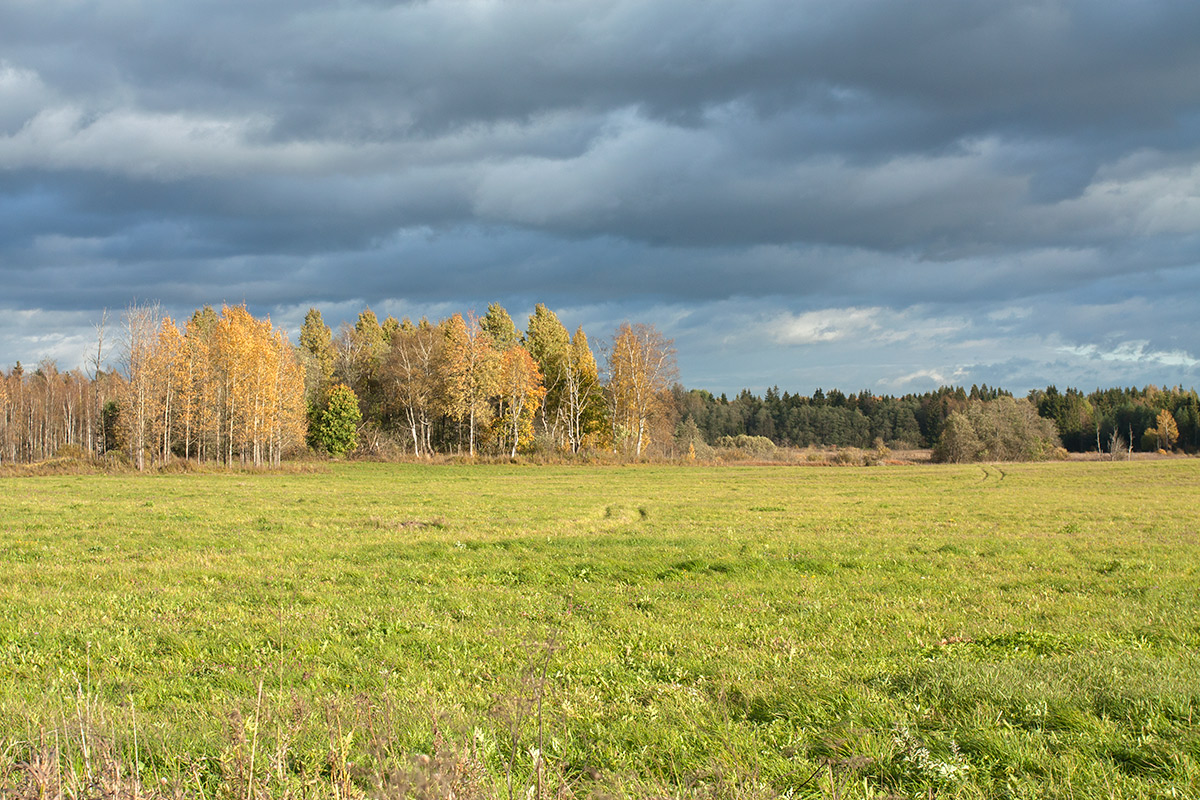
(1026, 630)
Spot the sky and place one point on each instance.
(887, 195)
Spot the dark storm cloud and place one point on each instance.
(785, 164)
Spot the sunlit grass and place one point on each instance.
(1021, 630)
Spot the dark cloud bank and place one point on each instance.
(871, 195)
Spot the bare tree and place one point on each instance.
(141, 325)
(1116, 444)
(412, 371)
(97, 437)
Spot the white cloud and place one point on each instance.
(923, 378)
(65, 337)
(1010, 314)
(826, 325)
(1145, 194)
(22, 93)
(1134, 352)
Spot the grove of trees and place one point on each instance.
(229, 389)
(470, 384)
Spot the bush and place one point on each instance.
(690, 442)
(1003, 429)
(754, 445)
(334, 428)
(72, 451)
(959, 443)
(849, 457)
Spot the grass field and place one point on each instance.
(975, 631)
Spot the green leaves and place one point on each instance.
(334, 429)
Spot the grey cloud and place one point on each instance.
(1039, 65)
(893, 126)
(623, 157)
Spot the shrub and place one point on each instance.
(72, 451)
(755, 445)
(334, 428)
(1003, 429)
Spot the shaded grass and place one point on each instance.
(731, 630)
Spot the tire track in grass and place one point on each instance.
(989, 477)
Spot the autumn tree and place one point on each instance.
(1165, 431)
(521, 391)
(261, 388)
(202, 404)
(8, 436)
(141, 324)
(641, 367)
(166, 359)
(44, 413)
(229, 386)
(390, 326)
(240, 377)
(582, 403)
(17, 441)
(413, 378)
(287, 420)
(471, 374)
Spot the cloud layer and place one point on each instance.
(865, 194)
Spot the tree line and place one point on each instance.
(1145, 419)
(232, 389)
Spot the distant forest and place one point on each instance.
(229, 388)
(1084, 422)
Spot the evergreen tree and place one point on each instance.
(316, 343)
(549, 344)
(334, 428)
(500, 327)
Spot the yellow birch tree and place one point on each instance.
(471, 366)
(136, 399)
(521, 391)
(165, 359)
(641, 366)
